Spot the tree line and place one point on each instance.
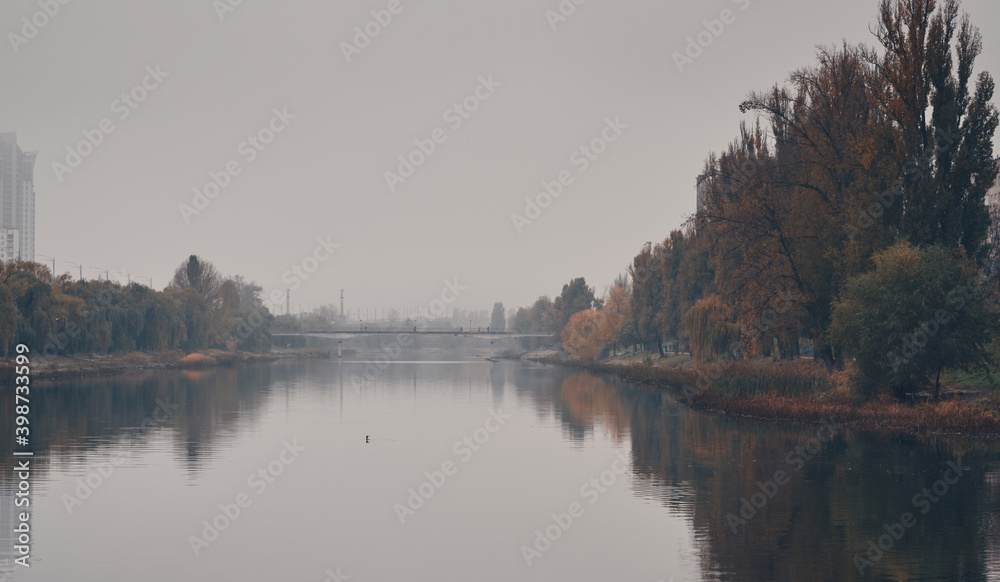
(850, 212)
(199, 309)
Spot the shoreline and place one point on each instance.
(95, 366)
(958, 416)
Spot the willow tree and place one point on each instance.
(710, 328)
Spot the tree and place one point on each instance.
(647, 297)
(498, 321)
(944, 127)
(781, 198)
(541, 313)
(532, 319)
(200, 275)
(919, 312)
(711, 329)
(581, 335)
(614, 315)
(576, 296)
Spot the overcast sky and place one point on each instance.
(542, 94)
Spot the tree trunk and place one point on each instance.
(825, 355)
(937, 385)
(839, 363)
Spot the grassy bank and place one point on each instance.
(68, 367)
(803, 391)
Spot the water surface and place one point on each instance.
(340, 455)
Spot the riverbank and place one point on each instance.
(801, 391)
(69, 367)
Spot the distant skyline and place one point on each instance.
(286, 144)
(17, 201)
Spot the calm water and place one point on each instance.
(328, 502)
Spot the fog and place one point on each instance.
(493, 100)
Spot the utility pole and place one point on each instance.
(53, 265)
(342, 304)
(288, 301)
(81, 269)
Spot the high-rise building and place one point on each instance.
(17, 200)
(993, 195)
(700, 192)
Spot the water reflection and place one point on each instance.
(838, 496)
(697, 467)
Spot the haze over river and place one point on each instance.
(441, 466)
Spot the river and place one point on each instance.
(438, 466)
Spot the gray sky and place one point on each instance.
(323, 174)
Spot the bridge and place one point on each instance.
(465, 333)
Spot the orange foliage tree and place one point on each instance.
(581, 336)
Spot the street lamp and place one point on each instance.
(78, 266)
(53, 264)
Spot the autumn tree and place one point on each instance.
(711, 329)
(614, 315)
(581, 335)
(781, 198)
